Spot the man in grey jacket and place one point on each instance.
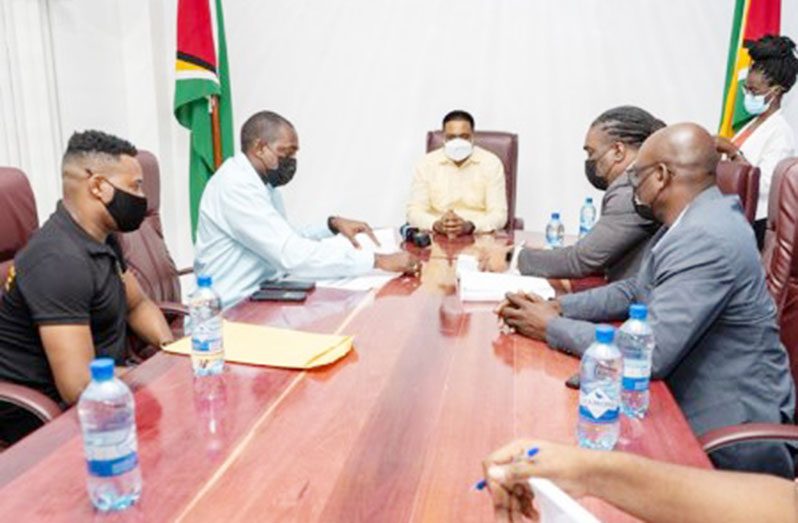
(714, 322)
(617, 242)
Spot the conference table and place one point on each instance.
(394, 431)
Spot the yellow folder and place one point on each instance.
(257, 345)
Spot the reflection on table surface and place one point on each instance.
(395, 431)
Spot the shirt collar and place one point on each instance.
(67, 223)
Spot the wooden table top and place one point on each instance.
(395, 431)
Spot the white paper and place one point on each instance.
(555, 506)
(373, 280)
(489, 286)
(387, 237)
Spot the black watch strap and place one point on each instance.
(330, 225)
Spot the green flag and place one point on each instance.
(200, 82)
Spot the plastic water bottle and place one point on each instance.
(555, 232)
(600, 390)
(636, 343)
(587, 217)
(207, 347)
(108, 421)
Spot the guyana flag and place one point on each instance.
(753, 19)
(201, 82)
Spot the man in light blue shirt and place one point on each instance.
(243, 236)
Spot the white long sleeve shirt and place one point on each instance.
(769, 144)
(244, 238)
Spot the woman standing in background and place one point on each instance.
(767, 138)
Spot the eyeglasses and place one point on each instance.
(636, 174)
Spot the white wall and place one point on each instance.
(363, 80)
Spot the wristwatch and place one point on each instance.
(333, 228)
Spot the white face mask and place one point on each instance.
(458, 149)
(755, 103)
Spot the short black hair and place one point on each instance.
(97, 142)
(458, 114)
(265, 125)
(628, 124)
(774, 56)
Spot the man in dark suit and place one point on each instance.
(714, 322)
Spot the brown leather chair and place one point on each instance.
(145, 248)
(740, 179)
(148, 258)
(780, 258)
(505, 146)
(18, 221)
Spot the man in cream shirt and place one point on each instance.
(459, 188)
(243, 236)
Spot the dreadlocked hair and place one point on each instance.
(628, 124)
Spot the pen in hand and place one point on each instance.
(483, 483)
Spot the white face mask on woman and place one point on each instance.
(755, 103)
(458, 149)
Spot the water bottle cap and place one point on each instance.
(638, 311)
(204, 281)
(589, 199)
(605, 333)
(555, 216)
(102, 369)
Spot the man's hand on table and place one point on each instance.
(351, 228)
(495, 258)
(507, 472)
(528, 314)
(403, 262)
(452, 225)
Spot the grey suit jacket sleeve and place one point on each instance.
(571, 332)
(618, 230)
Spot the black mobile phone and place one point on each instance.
(278, 295)
(573, 382)
(288, 285)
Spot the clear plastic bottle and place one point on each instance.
(636, 343)
(600, 390)
(207, 345)
(107, 418)
(587, 217)
(555, 232)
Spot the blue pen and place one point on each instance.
(483, 483)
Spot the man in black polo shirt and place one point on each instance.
(69, 297)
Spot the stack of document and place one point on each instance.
(475, 285)
(257, 345)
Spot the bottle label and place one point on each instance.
(636, 374)
(111, 453)
(206, 345)
(113, 467)
(597, 406)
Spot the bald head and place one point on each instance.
(674, 165)
(686, 147)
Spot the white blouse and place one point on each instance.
(770, 143)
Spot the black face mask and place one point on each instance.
(128, 210)
(284, 173)
(643, 210)
(595, 180)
